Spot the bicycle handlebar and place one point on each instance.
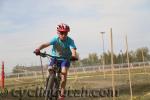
(45, 55)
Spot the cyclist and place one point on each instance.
(62, 46)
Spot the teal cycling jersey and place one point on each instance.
(62, 48)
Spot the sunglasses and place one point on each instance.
(63, 33)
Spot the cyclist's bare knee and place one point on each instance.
(49, 71)
(64, 70)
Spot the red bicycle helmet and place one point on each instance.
(63, 28)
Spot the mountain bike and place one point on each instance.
(52, 85)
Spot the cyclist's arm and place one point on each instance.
(73, 48)
(74, 54)
(52, 42)
(42, 46)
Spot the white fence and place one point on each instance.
(74, 70)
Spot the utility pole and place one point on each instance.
(143, 58)
(2, 76)
(102, 33)
(121, 58)
(129, 72)
(112, 64)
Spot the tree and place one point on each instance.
(119, 58)
(85, 61)
(107, 57)
(18, 69)
(145, 54)
(93, 58)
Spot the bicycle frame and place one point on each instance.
(53, 80)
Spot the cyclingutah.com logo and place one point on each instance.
(41, 92)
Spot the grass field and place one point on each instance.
(90, 81)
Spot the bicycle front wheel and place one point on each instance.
(49, 87)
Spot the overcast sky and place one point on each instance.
(25, 24)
